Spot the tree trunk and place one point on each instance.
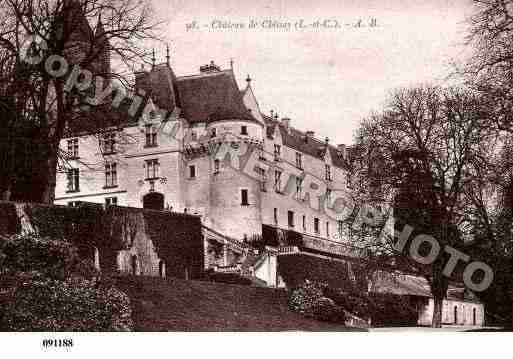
(437, 311)
(49, 171)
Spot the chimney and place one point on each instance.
(341, 149)
(212, 67)
(285, 122)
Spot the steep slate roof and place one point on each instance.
(297, 140)
(158, 85)
(211, 96)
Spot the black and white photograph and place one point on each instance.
(299, 169)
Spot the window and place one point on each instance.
(474, 318)
(290, 217)
(316, 225)
(162, 269)
(299, 187)
(304, 223)
(261, 156)
(299, 160)
(348, 180)
(328, 172)
(455, 315)
(244, 197)
(151, 135)
(244, 130)
(277, 181)
(152, 169)
(328, 196)
(73, 148)
(216, 166)
(327, 229)
(108, 142)
(111, 176)
(73, 180)
(213, 133)
(194, 136)
(74, 203)
(275, 216)
(277, 152)
(340, 228)
(111, 201)
(261, 174)
(192, 171)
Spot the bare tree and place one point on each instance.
(426, 149)
(489, 69)
(41, 101)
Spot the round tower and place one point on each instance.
(235, 192)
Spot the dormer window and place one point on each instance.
(277, 181)
(262, 177)
(108, 143)
(261, 156)
(277, 152)
(73, 148)
(299, 160)
(151, 135)
(328, 172)
(328, 195)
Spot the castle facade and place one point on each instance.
(196, 159)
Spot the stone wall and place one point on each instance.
(124, 239)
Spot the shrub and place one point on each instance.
(71, 305)
(354, 302)
(303, 297)
(309, 300)
(45, 286)
(53, 258)
(326, 310)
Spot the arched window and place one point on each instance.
(134, 264)
(455, 314)
(474, 317)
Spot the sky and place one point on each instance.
(324, 79)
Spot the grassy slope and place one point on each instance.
(178, 305)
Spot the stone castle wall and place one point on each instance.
(117, 239)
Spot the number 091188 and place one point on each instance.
(57, 343)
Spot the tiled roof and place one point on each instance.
(210, 97)
(298, 140)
